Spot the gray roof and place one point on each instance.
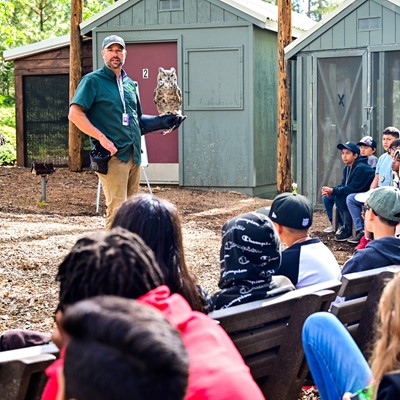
(266, 12)
(259, 12)
(327, 22)
(38, 47)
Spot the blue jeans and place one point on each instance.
(355, 208)
(336, 363)
(329, 202)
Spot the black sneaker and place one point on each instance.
(342, 234)
(355, 239)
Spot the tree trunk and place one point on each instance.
(284, 170)
(75, 74)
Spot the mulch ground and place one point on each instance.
(35, 236)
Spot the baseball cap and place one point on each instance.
(349, 146)
(291, 210)
(385, 201)
(113, 39)
(367, 141)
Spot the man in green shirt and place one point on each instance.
(106, 107)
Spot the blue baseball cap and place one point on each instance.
(349, 146)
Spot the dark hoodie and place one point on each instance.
(250, 254)
(378, 253)
(356, 179)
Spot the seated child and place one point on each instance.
(120, 349)
(382, 214)
(357, 177)
(119, 263)
(158, 223)
(306, 261)
(250, 254)
(367, 149)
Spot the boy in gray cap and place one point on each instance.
(306, 261)
(381, 215)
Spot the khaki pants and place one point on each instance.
(121, 182)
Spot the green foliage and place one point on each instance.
(315, 9)
(8, 155)
(24, 22)
(7, 115)
(7, 134)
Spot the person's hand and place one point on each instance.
(346, 396)
(107, 144)
(326, 191)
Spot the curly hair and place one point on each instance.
(115, 263)
(157, 222)
(119, 347)
(386, 354)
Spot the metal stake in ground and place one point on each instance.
(44, 170)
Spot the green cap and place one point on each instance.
(385, 201)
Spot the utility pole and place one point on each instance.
(75, 74)
(284, 170)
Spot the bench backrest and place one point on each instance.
(22, 371)
(267, 334)
(362, 291)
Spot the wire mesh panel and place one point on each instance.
(46, 120)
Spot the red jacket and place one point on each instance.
(216, 371)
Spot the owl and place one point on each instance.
(167, 94)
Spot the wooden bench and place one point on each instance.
(267, 334)
(362, 291)
(22, 371)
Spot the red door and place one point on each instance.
(142, 62)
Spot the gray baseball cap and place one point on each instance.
(113, 39)
(385, 201)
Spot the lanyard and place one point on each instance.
(121, 92)
(348, 172)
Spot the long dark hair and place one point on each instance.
(158, 223)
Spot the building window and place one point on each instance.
(170, 5)
(369, 24)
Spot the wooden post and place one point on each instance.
(284, 170)
(75, 74)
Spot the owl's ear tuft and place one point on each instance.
(161, 69)
(173, 70)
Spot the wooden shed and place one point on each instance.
(348, 86)
(225, 53)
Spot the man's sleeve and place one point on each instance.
(85, 94)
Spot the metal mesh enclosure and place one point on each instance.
(46, 119)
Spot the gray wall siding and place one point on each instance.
(228, 68)
(217, 143)
(145, 13)
(348, 34)
(265, 75)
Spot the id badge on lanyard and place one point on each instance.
(125, 115)
(125, 119)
